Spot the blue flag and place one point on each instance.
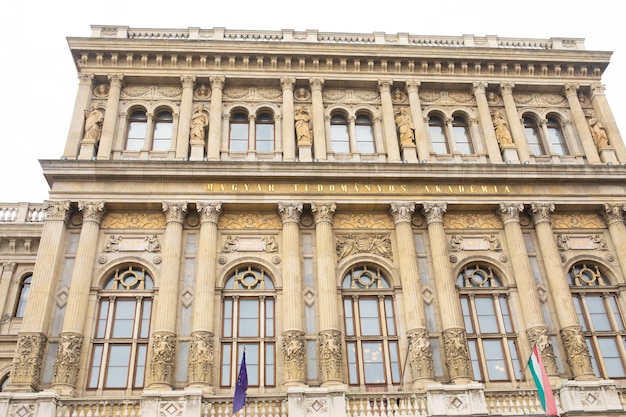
(239, 400)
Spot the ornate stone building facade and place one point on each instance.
(385, 224)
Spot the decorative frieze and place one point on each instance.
(151, 92)
(460, 243)
(132, 243)
(476, 220)
(362, 221)
(266, 244)
(375, 244)
(133, 220)
(577, 220)
(250, 221)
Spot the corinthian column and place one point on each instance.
(421, 139)
(67, 362)
(31, 340)
(389, 125)
(184, 120)
(83, 96)
(288, 126)
(571, 93)
(613, 215)
(571, 332)
(330, 339)
(293, 334)
(454, 335)
(201, 351)
(163, 341)
(215, 124)
(317, 105)
(517, 131)
(536, 330)
(485, 122)
(110, 116)
(420, 356)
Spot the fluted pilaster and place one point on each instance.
(215, 123)
(109, 125)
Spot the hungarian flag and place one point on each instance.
(538, 371)
(239, 400)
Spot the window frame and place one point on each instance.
(443, 141)
(264, 118)
(340, 133)
(364, 133)
(160, 122)
(138, 118)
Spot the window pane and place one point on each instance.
(25, 290)
(248, 318)
(102, 319)
(612, 360)
(494, 358)
(391, 326)
(469, 326)
(228, 318)
(96, 364)
(394, 362)
(532, 136)
(265, 137)
(616, 313)
(365, 139)
(347, 306)
(145, 318)
(117, 369)
(369, 318)
(162, 136)
(437, 135)
(506, 317)
(486, 315)
(556, 137)
(269, 317)
(140, 368)
(597, 312)
(352, 369)
(340, 141)
(252, 362)
(579, 313)
(515, 358)
(226, 353)
(269, 364)
(124, 319)
(473, 351)
(373, 363)
(239, 137)
(594, 359)
(462, 136)
(136, 135)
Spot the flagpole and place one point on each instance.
(525, 367)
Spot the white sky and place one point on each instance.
(39, 81)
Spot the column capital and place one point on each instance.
(290, 212)
(402, 211)
(479, 87)
(509, 212)
(570, 89)
(316, 83)
(56, 210)
(413, 85)
(434, 212)
(9, 267)
(385, 85)
(506, 88)
(287, 83)
(93, 211)
(323, 212)
(217, 81)
(613, 213)
(209, 212)
(174, 211)
(540, 212)
(116, 79)
(188, 81)
(68, 358)
(85, 78)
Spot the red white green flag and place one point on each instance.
(538, 371)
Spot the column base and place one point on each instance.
(87, 151)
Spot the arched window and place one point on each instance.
(340, 140)
(491, 335)
(20, 307)
(265, 132)
(601, 318)
(364, 134)
(137, 125)
(239, 132)
(162, 131)
(556, 137)
(462, 137)
(4, 382)
(371, 333)
(248, 322)
(437, 132)
(533, 136)
(122, 331)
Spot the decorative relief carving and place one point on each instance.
(66, 365)
(455, 345)
(446, 98)
(539, 336)
(302, 94)
(266, 244)
(576, 221)
(250, 221)
(152, 92)
(56, 210)
(163, 353)
(581, 242)
(253, 94)
(420, 354)
(119, 243)
(540, 100)
(350, 96)
(347, 245)
(362, 221)
(472, 221)
(578, 357)
(201, 357)
(471, 243)
(202, 92)
(27, 362)
(323, 212)
(613, 213)
(330, 355)
(174, 211)
(136, 220)
(290, 212)
(294, 355)
(398, 96)
(209, 212)
(402, 212)
(509, 212)
(434, 212)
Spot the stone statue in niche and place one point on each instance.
(405, 127)
(303, 126)
(503, 134)
(93, 124)
(598, 132)
(199, 122)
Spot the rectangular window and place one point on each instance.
(124, 319)
(369, 317)
(494, 360)
(239, 137)
(265, 138)
(248, 318)
(373, 364)
(340, 138)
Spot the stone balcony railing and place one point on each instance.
(22, 213)
(314, 36)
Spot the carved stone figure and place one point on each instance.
(420, 355)
(405, 127)
(67, 360)
(503, 135)
(455, 344)
(303, 126)
(162, 357)
(598, 133)
(230, 245)
(330, 355)
(93, 125)
(270, 244)
(153, 244)
(199, 122)
(294, 355)
(201, 357)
